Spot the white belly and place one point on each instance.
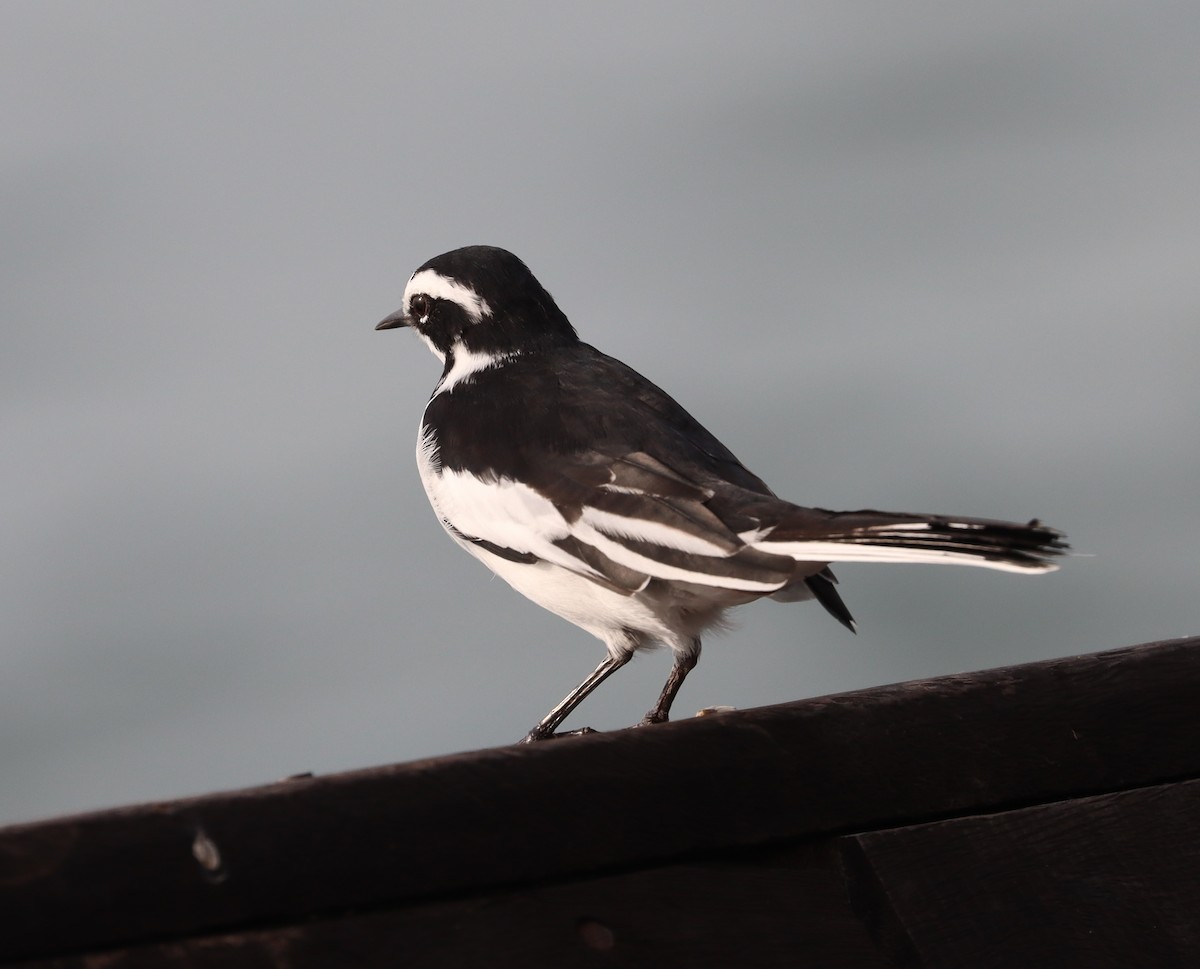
(589, 605)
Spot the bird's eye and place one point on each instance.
(418, 306)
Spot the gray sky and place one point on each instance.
(917, 256)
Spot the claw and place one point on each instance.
(536, 735)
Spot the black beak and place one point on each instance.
(390, 323)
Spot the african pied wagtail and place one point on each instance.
(589, 490)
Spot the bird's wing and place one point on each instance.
(620, 521)
(565, 473)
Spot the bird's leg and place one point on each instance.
(547, 725)
(684, 663)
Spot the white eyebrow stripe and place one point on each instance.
(432, 283)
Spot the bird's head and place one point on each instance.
(480, 300)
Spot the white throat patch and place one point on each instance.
(467, 363)
(435, 285)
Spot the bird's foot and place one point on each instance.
(654, 716)
(538, 733)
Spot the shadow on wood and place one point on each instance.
(1037, 815)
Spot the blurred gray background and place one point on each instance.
(917, 256)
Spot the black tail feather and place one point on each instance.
(824, 590)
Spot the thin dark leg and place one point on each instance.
(549, 723)
(684, 664)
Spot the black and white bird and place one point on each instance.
(591, 491)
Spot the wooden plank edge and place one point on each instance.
(872, 758)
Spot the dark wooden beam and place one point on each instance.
(1109, 880)
(754, 810)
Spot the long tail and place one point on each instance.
(816, 535)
